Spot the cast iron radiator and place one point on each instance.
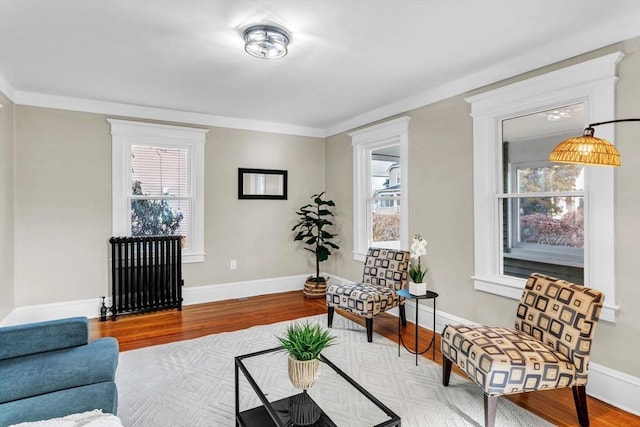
(146, 274)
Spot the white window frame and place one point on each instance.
(125, 134)
(364, 141)
(591, 82)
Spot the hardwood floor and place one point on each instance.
(142, 330)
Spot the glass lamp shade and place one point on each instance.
(265, 42)
(586, 150)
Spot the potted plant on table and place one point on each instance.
(303, 343)
(417, 286)
(312, 231)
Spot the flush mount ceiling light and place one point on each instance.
(265, 41)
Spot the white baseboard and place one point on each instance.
(191, 295)
(224, 291)
(38, 313)
(616, 388)
(611, 386)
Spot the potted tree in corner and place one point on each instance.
(312, 232)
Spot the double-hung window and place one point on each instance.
(380, 216)
(542, 203)
(158, 183)
(533, 215)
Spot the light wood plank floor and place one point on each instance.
(142, 330)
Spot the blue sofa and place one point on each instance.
(50, 369)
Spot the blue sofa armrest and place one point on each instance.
(50, 369)
(38, 374)
(22, 340)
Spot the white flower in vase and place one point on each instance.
(418, 248)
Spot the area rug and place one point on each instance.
(191, 383)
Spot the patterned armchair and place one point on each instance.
(385, 272)
(549, 347)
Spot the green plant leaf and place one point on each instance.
(305, 341)
(323, 253)
(310, 228)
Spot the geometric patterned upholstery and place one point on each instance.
(362, 299)
(563, 316)
(548, 348)
(504, 361)
(385, 272)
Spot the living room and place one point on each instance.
(56, 178)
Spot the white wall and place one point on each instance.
(7, 299)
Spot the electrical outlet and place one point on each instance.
(233, 264)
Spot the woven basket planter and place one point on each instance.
(313, 289)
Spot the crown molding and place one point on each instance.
(596, 36)
(143, 112)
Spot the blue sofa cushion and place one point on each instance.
(21, 340)
(102, 396)
(36, 374)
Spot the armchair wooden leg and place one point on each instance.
(403, 315)
(490, 404)
(580, 399)
(330, 311)
(369, 323)
(446, 371)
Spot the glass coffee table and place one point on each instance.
(264, 396)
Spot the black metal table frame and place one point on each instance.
(432, 345)
(239, 366)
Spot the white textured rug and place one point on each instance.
(95, 418)
(191, 383)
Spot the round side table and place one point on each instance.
(432, 345)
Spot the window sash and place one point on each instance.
(159, 168)
(390, 243)
(536, 252)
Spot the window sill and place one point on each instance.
(189, 258)
(534, 256)
(392, 244)
(511, 287)
(362, 256)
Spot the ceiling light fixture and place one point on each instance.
(587, 149)
(265, 41)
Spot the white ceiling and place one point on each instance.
(350, 62)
